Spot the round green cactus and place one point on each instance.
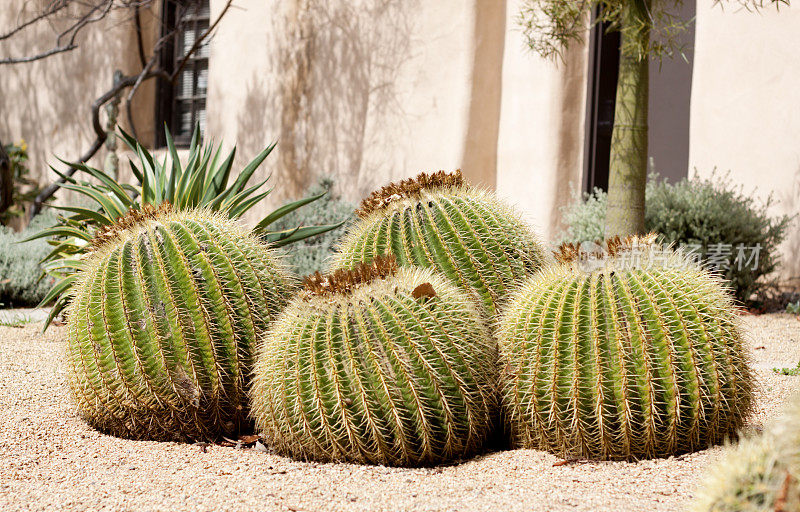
(377, 365)
(437, 221)
(164, 322)
(760, 474)
(628, 353)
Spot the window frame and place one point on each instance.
(168, 97)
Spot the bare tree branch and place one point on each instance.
(54, 7)
(95, 11)
(198, 41)
(38, 56)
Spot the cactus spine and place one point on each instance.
(761, 474)
(164, 321)
(638, 357)
(437, 221)
(376, 365)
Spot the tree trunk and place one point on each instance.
(6, 180)
(628, 167)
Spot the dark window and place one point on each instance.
(601, 101)
(183, 105)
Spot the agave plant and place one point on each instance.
(202, 183)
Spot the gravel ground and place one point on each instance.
(50, 460)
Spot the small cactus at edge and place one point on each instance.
(379, 365)
(164, 321)
(435, 220)
(760, 474)
(639, 356)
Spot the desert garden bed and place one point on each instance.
(51, 460)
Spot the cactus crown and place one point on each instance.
(409, 188)
(617, 253)
(344, 281)
(569, 252)
(122, 225)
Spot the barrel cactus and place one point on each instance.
(435, 220)
(378, 365)
(630, 352)
(163, 324)
(760, 474)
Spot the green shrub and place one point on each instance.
(19, 264)
(309, 255)
(699, 214)
(793, 308)
(584, 217)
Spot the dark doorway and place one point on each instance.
(668, 107)
(600, 102)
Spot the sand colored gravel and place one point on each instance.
(51, 460)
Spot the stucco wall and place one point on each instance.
(369, 91)
(47, 103)
(365, 91)
(540, 149)
(745, 117)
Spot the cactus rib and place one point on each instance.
(437, 221)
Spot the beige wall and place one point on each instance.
(540, 151)
(377, 90)
(47, 103)
(365, 91)
(745, 115)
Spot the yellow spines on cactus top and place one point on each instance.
(437, 221)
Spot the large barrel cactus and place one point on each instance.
(437, 221)
(164, 322)
(626, 353)
(760, 474)
(377, 365)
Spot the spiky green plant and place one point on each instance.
(437, 221)
(760, 474)
(377, 365)
(163, 324)
(625, 353)
(202, 183)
